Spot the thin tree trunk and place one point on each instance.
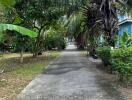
(87, 51)
(21, 56)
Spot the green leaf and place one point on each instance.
(19, 29)
(129, 42)
(124, 38)
(7, 2)
(17, 20)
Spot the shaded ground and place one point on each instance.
(16, 75)
(71, 77)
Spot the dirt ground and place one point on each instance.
(16, 75)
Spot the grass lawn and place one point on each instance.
(16, 75)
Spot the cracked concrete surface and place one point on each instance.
(70, 77)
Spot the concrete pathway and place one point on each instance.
(70, 77)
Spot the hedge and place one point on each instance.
(120, 60)
(104, 54)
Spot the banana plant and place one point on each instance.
(126, 39)
(7, 3)
(19, 29)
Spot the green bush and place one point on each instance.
(121, 61)
(104, 54)
(54, 39)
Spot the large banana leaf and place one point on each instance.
(21, 30)
(126, 39)
(7, 2)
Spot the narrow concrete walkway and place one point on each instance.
(70, 77)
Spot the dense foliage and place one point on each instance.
(121, 61)
(54, 40)
(126, 40)
(104, 54)
(101, 18)
(86, 25)
(38, 16)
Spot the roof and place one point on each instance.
(125, 21)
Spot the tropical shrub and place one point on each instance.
(104, 54)
(121, 61)
(54, 39)
(126, 39)
(23, 31)
(21, 42)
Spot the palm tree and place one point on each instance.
(75, 29)
(103, 14)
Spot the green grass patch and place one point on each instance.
(11, 63)
(29, 70)
(17, 75)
